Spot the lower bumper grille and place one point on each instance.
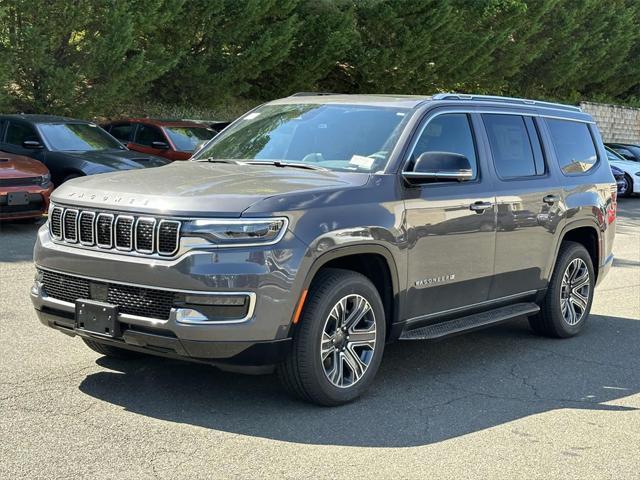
(144, 302)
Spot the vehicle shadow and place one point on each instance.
(17, 239)
(424, 392)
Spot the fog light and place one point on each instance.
(189, 315)
(216, 300)
(36, 288)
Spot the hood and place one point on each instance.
(17, 166)
(117, 159)
(198, 188)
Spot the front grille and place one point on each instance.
(20, 182)
(70, 226)
(124, 232)
(86, 228)
(145, 232)
(143, 235)
(55, 223)
(144, 302)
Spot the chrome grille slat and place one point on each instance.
(110, 231)
(86, 224)
(70, 225)
(124, 232)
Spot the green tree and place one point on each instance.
(82, 56)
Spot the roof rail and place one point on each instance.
(496, 98)
(312, 94)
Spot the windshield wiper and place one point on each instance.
(277, 163)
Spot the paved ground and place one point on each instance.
(500, 403)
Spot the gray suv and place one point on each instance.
(317, 228)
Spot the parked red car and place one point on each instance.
(172, 139)
(25, 186)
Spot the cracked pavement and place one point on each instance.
(499, 403)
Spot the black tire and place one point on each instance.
(110, 351)
(303, 372)
(550, 321)
(629, 192)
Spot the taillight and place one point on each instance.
(613, 206)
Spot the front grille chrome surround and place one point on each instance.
(70, 225)
(119, 233)
(123, 234)
(144, 237)
(86, 228)
(55, 223)
(104, 230)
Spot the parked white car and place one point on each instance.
(631, 173)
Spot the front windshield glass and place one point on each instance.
(186, 139)
(68, 137)
(332, 136)
(614, 156)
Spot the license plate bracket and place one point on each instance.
(18, 198)
(97, 318)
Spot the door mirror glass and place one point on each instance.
(32, 144)
(160, 145)
(441, 167)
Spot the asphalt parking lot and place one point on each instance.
(500, 403)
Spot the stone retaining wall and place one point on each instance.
(616, 123)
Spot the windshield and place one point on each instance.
(614, 156)
(186, 139)
(67, 137)
(336, 137)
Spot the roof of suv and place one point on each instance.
(413, 101)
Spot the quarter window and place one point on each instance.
(451, 133)
(574, 146)
(514, 153)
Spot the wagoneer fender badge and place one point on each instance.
(428, 282)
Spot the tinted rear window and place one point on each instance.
(574, 146)
(510, 145)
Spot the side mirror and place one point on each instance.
(441, 167)
(32, 144)
(160, 145)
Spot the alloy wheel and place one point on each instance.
(348, 341)
(575, 291)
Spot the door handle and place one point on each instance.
(550, 199)
(480, 206)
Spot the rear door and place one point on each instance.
(528, 200)
(450, 245)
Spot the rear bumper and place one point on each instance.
(162, 343)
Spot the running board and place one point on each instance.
(471, 322)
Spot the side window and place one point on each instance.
(574, 146)
(514, 153)
(122, 131)
(17, 133)
(450, 132)
(148, 134)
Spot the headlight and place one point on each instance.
(45, 180)
(232, 232)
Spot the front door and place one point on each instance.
(451, 226)
(528, 202)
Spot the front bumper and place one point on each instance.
(37, 206)
(139, 334)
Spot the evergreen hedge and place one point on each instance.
(108, 57)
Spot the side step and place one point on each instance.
(471, 322)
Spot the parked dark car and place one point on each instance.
(317, 229)
(630, 181)
(628, 150)
(620, 181)
(171, 139)
(25, 186)
(69, 148)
